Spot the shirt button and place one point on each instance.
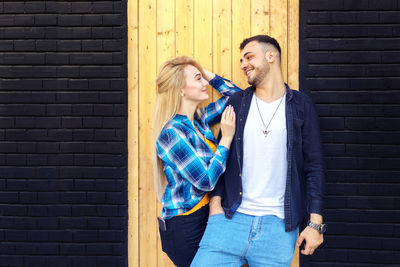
(240, 174)
(240, 193)
(240, 119)
(238, 138)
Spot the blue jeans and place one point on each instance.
(256, 240)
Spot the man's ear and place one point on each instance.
(270, 56)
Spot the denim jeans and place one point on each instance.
(256, 240)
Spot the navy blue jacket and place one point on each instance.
(305, 169)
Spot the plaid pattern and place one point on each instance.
(191, 168)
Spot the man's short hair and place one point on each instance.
(261, 39)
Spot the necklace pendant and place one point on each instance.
(266, 132)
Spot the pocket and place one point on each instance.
(167, 241)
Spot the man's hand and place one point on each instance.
(215, 205)
(313, 239)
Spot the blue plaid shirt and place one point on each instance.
(191, 168)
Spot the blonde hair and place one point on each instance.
(169, 82)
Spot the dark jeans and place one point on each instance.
(181, 240)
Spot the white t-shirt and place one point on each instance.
(264, 160)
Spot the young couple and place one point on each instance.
(239, 199)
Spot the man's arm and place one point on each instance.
(314, 174)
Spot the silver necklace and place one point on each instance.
(266, 131)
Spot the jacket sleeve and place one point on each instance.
(220, 187)
(214, 110)
(176, 151)
(313, 160)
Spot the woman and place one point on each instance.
(188, 161)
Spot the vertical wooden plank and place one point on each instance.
(222, 44)
(293, 44)
(278, 30)
(260, 17)
(241, 29)
(147, 74)
(184, 27)
(222, 38)
(203, 37)
(133, 145)
(165, 51)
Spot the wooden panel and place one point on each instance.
(260, 17)
(184, 27)
(211, 31)
(166, 45)
(203, 35)
(133, 133)
(147, 72)
(278, 29)
(241, 29)
(293, 44)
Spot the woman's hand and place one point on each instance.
(228, 126)
(208, 75)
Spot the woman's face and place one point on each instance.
(195, 88)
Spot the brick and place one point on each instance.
(69, 45)
(83, 160)
(102, 32)
(86, 236)
(84, 261)
(103, 110)
(68, 71)
(69, 20)
(111, 235)
(72, 147)
(6, 45)
(58, 109)
(112, 45)
(105, 135)
(96, 197)
(99, 249)
(72, 249)
(113, 19)
(13, 7)
(90, 59)
(92, 20)
(102, 6)
(46, 20)
(83, 135)
(82, 109)
(24, 45)
(60, 261)
(34, 261)
(112, 97)
(58, 7)
(92, 45)
(81, 97)
(83, 7)
(78, 84)
(22, 59)
(23, 20)
(16, 235)
(35, 7)
(60, 160)
(46, 45)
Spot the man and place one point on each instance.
(274, 176)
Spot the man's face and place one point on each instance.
(254, 63)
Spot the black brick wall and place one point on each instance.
(63, 133)
(350, 65)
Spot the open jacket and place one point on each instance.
(305, 166)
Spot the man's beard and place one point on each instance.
(260, 74)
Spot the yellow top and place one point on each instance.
(206, 199)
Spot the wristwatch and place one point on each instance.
(321, 228)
